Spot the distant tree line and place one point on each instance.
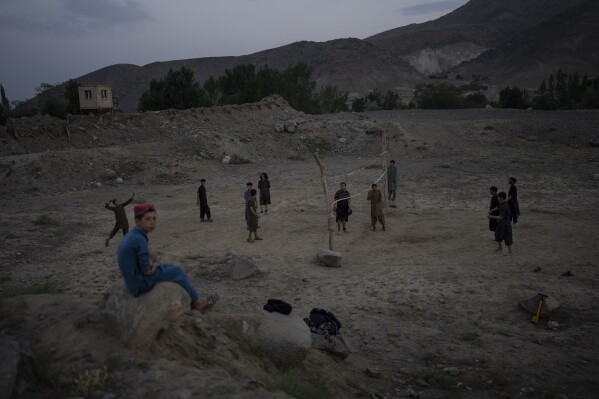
(48, 103)
(562, 91)
(448, 96)
(375, 101)
(243, 84)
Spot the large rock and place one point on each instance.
(329, 258)
(10, 353)
(336, 346)
(243, 268)
(137, 321)
(286, 338)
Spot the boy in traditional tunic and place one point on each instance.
(376, 207)
(512, 200)
(251, 210)
(141, 270)
(493, 208)
(264, 187)
(121, 217)
(342, 208)
(503, 232)
(202, 201)
(392, 179)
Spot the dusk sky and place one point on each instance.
(52, 41)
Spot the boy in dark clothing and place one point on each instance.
(512, 200)
(121, 217)
(503, 232)
(493, 208)
(202, 201)
(141, 270)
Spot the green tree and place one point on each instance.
(298, 87)
(330, 98)
(437, 95)
(475, 100)
(268, 81)
(513, 97)
(177, 89)
(71, 94)
(4, 106)
(358, 104)
(391, 101)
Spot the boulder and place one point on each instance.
(329, 258)
(243, 268)
(290, 126)
(226, 159)
(279, 128)
(136, 321)
(10, 353)
(336, 346)
(109, 173)
(285, 338)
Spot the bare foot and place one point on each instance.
(250, 240)
(507, 254)
(498, 249)
(206, 302)
(258, 238)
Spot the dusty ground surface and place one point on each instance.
(428, 303)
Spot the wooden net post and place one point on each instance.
(329, 207)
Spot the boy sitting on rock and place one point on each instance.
(141, 269)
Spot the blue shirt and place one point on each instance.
(134, 260)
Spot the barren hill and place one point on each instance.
(569, 41)
(511, 41)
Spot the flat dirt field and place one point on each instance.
(428, 307)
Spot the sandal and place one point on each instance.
(210, 301)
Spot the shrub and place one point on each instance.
(45, 221)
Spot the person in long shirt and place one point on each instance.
(493, 208)
(202, 201)
(376, 207)
(264, 187)
(141, 270)
(392, 179)
(342, 208)
(503, 232)
(121, 217)
(512, 200)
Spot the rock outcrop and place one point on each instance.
(136, 321)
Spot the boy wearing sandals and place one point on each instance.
(503, 231)
(251, 210)
(141, 270)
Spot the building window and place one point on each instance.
(88, 94)
(104, 94)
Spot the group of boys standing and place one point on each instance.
(503, 211)
(342, 202)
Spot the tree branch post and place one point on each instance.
(329, 206)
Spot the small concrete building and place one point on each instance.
(98, 97)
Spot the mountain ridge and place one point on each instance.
(505, 41)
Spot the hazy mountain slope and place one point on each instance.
(569, 41)
(510, 41)
(352, 64)
(467, 32)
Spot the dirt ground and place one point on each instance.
(428, 303)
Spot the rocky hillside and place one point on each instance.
(569, 41)
(507, 41)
